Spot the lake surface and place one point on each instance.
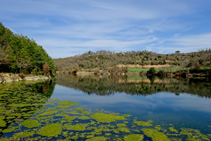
(102, 108)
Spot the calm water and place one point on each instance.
(180, 108)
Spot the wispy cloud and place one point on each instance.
(73, 27)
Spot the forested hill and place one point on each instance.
(18, 54)
(106, 59)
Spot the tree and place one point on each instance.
(177, 52)
(46, 69)
(151, 72)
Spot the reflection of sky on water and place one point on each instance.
(183, 110)
(183, 102)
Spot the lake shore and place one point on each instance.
(11, 77)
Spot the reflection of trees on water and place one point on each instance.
(108, 86)
(20, 101)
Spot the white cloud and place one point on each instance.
(116, 25)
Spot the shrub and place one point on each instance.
(161, 73)
(197, 66)
(151, 72)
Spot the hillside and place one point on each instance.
(19, 54)
(104, 60)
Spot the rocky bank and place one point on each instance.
(11, 77)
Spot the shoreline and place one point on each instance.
(11, 77)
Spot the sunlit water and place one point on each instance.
(183, 105)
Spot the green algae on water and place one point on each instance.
(99, 138)
(2, 122)
(30, 123)
(101, 117)
(9, 130)
(51, 130)
(173, 130)
(123, 129)
(155, 135)
(134, 137)
(77, 127)
(70, 118)
(83, 117)
(127, 115)
(142, 123)
(48, 113)
(121, 125)
(193, 134)
(24, 134)
(70, 103)
(158, 127)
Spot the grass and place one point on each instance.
(164, 69)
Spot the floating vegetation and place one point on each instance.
(101, 117)
(121, 124)
(193, 134)
(158, 127)
(142, 123)
(127, 115)
(134, 137)
(30, 123)
(70, 118)
(2, 122)
(83, 117)
(51, 130)
(155, 135)
(32, 116)
(70, 103)
(173, 130)
(123, 129)
(100, 138)
(77, 127)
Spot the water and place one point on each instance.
(182, 105)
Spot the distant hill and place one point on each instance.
(105, 59)
(19, 54)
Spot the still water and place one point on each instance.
(101, 108)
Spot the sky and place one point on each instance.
(72, 27)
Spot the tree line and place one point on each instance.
(111, 85)
(19, 54)
(105, 59)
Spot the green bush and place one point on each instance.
(151, 72)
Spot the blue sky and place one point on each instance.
(71, 27)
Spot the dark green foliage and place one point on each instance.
(18, 54)
(161, 73)
(151, 72)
